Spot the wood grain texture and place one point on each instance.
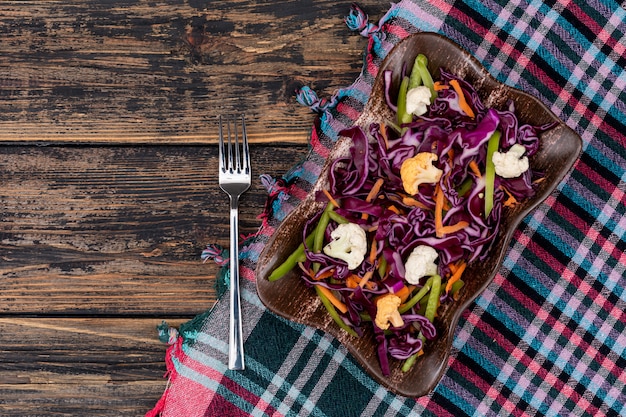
(148, 72)
(117, 229)
(80, 367)
(101, 228)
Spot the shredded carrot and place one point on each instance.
(440, 205)
(365, 281)
(474, 167)
(330, 198)
(339, 305)
(323, 275)
(455, 276)
(444, 230)
(511, 200)
(352, 281)
(539, 180)
(438, 86)
(394, 209)
(439, 197)
(462, 101)
(383, 132)
(373, 193)
(403, 293)
(410, 201)
(375, 189)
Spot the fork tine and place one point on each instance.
(246, 149)
(231, 165)
(222, 155)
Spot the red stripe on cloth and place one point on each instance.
(176, 400)
(590, 23)
(348, 111)
(537, 72)
(317, 146)
(398, 31)
(244, 394)
(180, 395)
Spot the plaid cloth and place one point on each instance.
(548, 336)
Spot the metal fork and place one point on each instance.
(234, 179)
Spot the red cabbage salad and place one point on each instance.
(418, 199)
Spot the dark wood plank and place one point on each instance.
(98, 243)
(146, 72)
(117, 230)
(80, 367)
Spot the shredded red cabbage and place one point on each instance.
(397, 223)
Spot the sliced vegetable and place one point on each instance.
(456, 212)
(490, 171)
(292, 260)
(402, 115)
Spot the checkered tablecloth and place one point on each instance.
(547, 337)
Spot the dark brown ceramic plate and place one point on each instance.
(288, 297)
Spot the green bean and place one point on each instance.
(431, 309)
(406, 366)
(415, 79)
(337, 217)
(402, 115)
(382, 266)
(417, 297)
(422, 64)
(320, 230)
(433, 298)
(333, 313)
(292, 260)
(490, 171)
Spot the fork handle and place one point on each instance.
(235, 337)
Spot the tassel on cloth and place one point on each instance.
(219, 255)
(167, 334)
(307, 97)
(358, 21)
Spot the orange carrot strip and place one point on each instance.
(439, 197)
(352, 281)
(394, 209)
(372, 194)
(323, 275)
(403, 293)
(339, 305)
(375, 189)
(438, 86)
(453, 227)
(410, 201)
(456, 276)
(330, 198)
(511, 200)
(383, 132)
(365, 280)
(474, 167)
(462, 101)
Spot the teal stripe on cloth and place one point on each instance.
(548, 337)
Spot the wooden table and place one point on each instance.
(108, 175)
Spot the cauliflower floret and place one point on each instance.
(420, 263)
(511, 164)
(418, 170)
(418, 100)
(387, 311)
(349, 244)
